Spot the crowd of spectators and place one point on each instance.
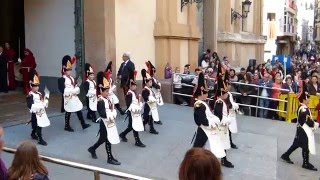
(268, 80)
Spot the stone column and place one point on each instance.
(210, 24)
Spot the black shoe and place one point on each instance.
(140, 144)
(153, 131)
(34, 136)
(113, 161)
(85, 126)
(286, 159)
(69, 129)
(158, 122)
(93, 153)
(123, 138)
(42, 142)
(227, 163)
(309, 167)
(233, 146)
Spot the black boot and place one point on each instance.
(40, 140)
(138, 142)
(306, 164)
(92, 151)
(233, 146)
(152, 130)
(119, 109)
(89, 115)
(67, 126)
(33, 134)
(123, 136)
(226, 163)
(111, 159)
(286, 158)
(94, 117)
(80, 117)
(286, 155)
(158, 122)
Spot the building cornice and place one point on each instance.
(242, 37)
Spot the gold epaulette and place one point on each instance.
(197, 104)
(219, 101)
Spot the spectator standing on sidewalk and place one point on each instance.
(123, 72)
(245, 90)
(26, 164)
(178, 87)
(275, 95)
(314, 86)
(3, 71)
(265, 92)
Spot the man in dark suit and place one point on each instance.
(3, 71)
(123, 74)
(314, 86)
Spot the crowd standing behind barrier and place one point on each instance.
(287, 102)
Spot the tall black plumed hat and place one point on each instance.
(202, 87)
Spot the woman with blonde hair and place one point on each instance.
(26, 164)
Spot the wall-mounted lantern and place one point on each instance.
(245, 10)
(186, 2)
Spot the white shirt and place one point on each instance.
(264, 92)
(204, 64)
(177, 81)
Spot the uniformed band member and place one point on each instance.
(114, 99)
(91, 93)
(233, 127)
(70, 90)
(150, 111)
(304, 137)
(37, 104)
(134, 112)
(108, 129)
(156, 86)
(207, 122)
(221, 110)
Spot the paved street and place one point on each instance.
(260, 142)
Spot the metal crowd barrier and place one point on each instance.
(96, 170)
(284, 111)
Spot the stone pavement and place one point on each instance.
(14, 110)
(260, 142)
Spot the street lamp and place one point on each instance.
(246, 7)
(245, 10)
(186, 2)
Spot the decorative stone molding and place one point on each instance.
(247, 38)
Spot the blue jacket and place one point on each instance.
(267, 84)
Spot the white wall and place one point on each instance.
(134, 31)
(50, 34)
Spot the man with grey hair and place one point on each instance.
(123, 72)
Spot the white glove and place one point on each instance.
(225, 120)
(76, 90)
(19, 60)
(235, 106)
(152, 99)
(316, 125)
(46, 103)
(35, 108)
(113, 88)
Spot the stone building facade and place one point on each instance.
(240, 39)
